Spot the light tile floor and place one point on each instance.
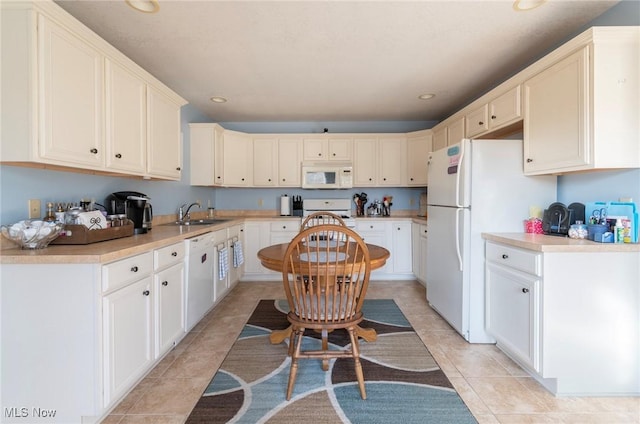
(495, 389)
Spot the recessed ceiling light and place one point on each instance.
(524, 5)
(146, 6)
(218, 99)
(426, 96)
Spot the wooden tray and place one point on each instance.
(79, 234)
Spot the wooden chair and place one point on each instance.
(321, 218)
(315, 260)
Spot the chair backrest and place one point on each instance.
(321, 218)
(325, 274)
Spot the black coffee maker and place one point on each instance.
(131, 203)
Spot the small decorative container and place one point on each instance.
(34, 234)
(533, 226)
(578, 231)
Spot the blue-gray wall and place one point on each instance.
(18, 185)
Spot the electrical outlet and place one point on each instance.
(260, 202)
(199, 202)
(412, 201)
(34, 208)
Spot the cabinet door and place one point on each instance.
(365, 166)
(169, 289)
(418, 149)
(257, 238)
(555, 124)
(71, 115)
(422, 270)
(477, 122)
(202, 152)
(415, 249)
(237, 151)
(340, 149)
(455, 132)
(505, 109)
(315, 149)
(265, 162)
(401, 247)
(163, 128)
(127, 332)
(126, 118)
(512, 312)
(392, 161)
(289, 162)
(440, 138)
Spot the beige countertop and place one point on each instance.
(543, 243)
(160, 236)
(108, 251)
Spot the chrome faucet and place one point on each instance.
(184, 215)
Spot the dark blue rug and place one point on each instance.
(404, 383)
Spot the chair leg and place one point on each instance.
(325, 347)
(292, 338)
(355, 349)
(299, 333)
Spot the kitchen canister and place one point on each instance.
(578, 231)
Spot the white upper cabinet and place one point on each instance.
(237, 153)
(501, 111)
(380, 160)
(439, 137)
(126, 118)
(327, 148)
(556, 122)
(265, 162)
(418, 148)
(582, 111)
(455, 131)
(289, 162)
(392, 161)
(71, 107)
(72, 101)
(365, 165)
(164, 144)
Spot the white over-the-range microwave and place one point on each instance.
(327, 175)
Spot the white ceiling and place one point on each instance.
(333, 60)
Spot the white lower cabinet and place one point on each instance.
(569, 318)
(401, 247)
(128, 336)
(263, 233)
(512, 312)
(169, 290)
(419, 251)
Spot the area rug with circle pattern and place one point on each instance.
(404, 383)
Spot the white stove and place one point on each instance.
(340, 207)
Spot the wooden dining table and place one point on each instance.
(272, 257)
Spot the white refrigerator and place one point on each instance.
(475, 186)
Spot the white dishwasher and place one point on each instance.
(200, 278)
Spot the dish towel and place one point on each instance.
(223, 263)
(238, 257)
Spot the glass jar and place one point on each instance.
(578, 231)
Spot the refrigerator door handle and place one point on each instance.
(458, 173)
(458, 210)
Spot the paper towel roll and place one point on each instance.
(285, 207)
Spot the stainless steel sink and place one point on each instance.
(199, 222)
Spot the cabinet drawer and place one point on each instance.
(120, 273)
(168, 255)
(365, 226)
(285, 226)
(522, 260)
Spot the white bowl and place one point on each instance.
(34, 234)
